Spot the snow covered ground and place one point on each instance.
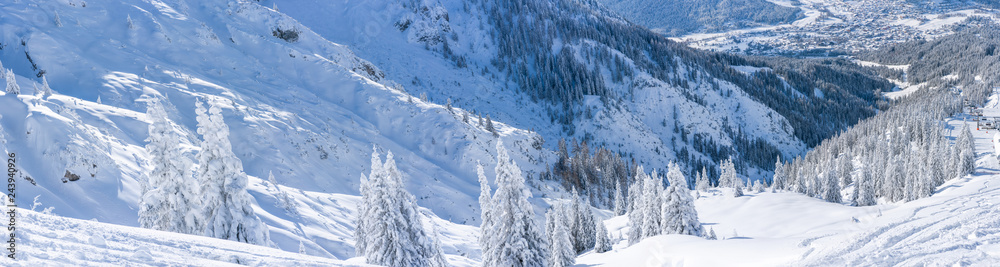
(49, 240)
(959, 225)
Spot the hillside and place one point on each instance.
(309, 89)
(591, 76)
(958, 224)
(308, 110)
(676, 18)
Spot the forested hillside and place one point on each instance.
(581, 74)
(675, 18)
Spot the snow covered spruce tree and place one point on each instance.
(651, 204)
(602, 241)
(282, 199)
(515, 240)
(678, 215)
(12, 87)
(778, 182)
(635, 214)
(168, 196)
(582, 227)
(702, 180)
(486, 218)
(226, 208)
(619, 206)
(558, 221)
(389, 228)
(966, 152)
(729, 178)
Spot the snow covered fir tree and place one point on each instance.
(589, 133)
(390, 228)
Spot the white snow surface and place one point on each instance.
(310, 111)
(957, 226)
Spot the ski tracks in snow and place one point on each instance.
(959, 226)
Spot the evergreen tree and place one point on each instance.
(226, 205)
(864, 188)
(727, 174)
(778, 182)
(46, 90)
(390, 230)
(485, 225)
(281, 197)
(832, 188)
(12, 87)
(758, 186)
(490, 128)
(563, 254)
(652, 202)
(168, 196)
(515, 240)
(302, 248)
(711, 234)
(702, 180)
(635, 213)
(678, 215)
(967, 152)
(619, 206)
(582, 227)
(603, 242)
(845, 167)
(57, 20)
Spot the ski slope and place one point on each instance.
(958, 225)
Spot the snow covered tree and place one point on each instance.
(169, 194)
(485, 224)
(831, 191)
(702, 180)
(892, 186)
(651, 205)
(57, 20)
(582, 227)
(302, 248)
(550, 224)
(758, 186)
(778, 182)
(967, 152)
(226, 208)
(619, 206)
(711, 234)
(678, 215)
(46, 90)
(281, 197)
(845, 167)
(12, 87)
(635, 213)
(563, 253)
(490, 128)
(864, 188)
(389, 229)
(515, 239)
(603, 242)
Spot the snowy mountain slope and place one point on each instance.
(305, 108)
(956, 225)
(60, 241)
(649, 99)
